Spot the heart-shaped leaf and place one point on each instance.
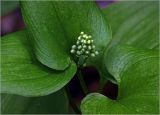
(120, 58)
(134, 23)
(135, 69)
(55, 27)
(56, 103)
(138, 87)
(47, 35)
(22, 74)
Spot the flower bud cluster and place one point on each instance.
(84, 46)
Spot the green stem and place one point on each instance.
(102, 84)
(82, 82)
(74, 106)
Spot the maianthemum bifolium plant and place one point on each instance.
(60, 38)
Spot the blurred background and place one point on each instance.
(11, 18)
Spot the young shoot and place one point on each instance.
(84, 47)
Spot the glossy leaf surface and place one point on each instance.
(22, 74)
(47, 35)
(134, 23)
(138, 84)
(55, 27)
(135, 65)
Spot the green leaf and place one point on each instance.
(138, 86)
(56, 26)
(86, 17)
(56, 103)
(134, 66)
(120, 58)
(22, 74)
(46, 34)
(134, 23)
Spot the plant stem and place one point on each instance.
(82, 82)
(102, 83)
(74, 106)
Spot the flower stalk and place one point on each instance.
(83, 49)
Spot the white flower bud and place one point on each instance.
(92, 54)
(93, 46)
(79, 38)
(87, 52)
(89, 36)
(74, 47)
(92, 41)
(82, 33)
(79, 47)
(78, 53)
(96, 52)
(82, 50)
(89, 47)
(72, 51)
(84, 46)
(78, 42)
(84, 41)
(89, 41)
